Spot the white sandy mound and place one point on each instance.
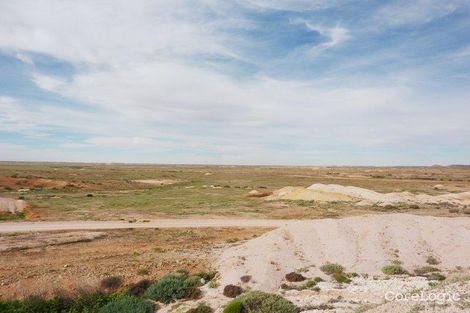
(361, 244)
(156, 182)
(9, 205)
(306, 194)
(362, 196)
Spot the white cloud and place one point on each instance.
(144, 86)
(414, 12)
(335, 36)
(294, 5)
(24, 58)
(111, 32)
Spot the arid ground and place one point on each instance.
(65, 262)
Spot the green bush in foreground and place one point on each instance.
(85, 303)
(331, 268)
(168, 289)
(194, 281)
(128, 304)
(260, 302)
(394, 270)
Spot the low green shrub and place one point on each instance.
(168, 289)
(425, 270)
(194, 281)
(207, 276)
(394, 270)
(260, 302)
(351, 274)
(235, 306)
(213, 284)
(435, 276)
(128, 304)
(341, 278)
(432, 260)
(142, 271)
(12, 216)
(85, 303)
(201, 308)
(310, 283)
(331, 268)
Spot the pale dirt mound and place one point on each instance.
(157, 182)
(305, 194)
(361, 244)
(362, 196)
(8, 205)
(36, 240)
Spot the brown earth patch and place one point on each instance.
(70, 267)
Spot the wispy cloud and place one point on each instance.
(176, 81)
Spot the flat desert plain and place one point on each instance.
(326, 239)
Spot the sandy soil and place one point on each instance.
(362, 244)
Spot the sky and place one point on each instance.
(288, 82)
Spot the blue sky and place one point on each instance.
(236, 82)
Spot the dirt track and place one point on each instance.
(163, 223)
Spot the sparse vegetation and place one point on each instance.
(201, 308)
(260, 302)
(142, 271)
(310, 283)
(394, 269)
(111, 282)
(84, 303)
(425, 270)
(213, 284)
(194, 281)
(331, 268)
(139, 288)
(432, 260)
(128, 304)
(168, 289)
(341, 278)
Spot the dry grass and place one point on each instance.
(116, 194)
